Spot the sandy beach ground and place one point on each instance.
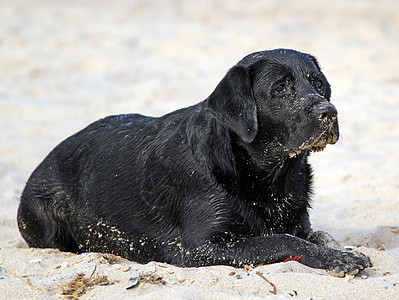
(64, 64)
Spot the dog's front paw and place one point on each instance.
(338, 263)
(348, 263)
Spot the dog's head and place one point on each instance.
(279, 98)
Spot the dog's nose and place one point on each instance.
(326, 112)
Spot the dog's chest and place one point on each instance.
(274, 206)
(274, 214)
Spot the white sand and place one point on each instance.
(64, 64)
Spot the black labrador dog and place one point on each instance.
(223, 182)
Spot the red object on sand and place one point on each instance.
(295, 258)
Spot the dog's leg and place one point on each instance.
(41, 221)
(271, 249)
(323, 238)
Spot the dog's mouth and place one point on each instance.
(314, 144)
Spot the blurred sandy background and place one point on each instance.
(65, 64)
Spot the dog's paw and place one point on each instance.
(339, 263)
(348, 263)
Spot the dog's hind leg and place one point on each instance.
(41, 221)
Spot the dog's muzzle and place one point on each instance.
(326, 115)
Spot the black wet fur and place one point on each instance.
(223, 182)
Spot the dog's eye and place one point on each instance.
(318, 84)
(281, 88)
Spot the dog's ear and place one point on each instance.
(233, 103)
